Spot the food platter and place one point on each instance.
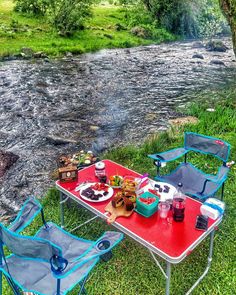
(96, 192)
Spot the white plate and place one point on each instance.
(104, 198)
(168, 195)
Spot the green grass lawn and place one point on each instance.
(17, 31)
(132, 271)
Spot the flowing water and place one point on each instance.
(100, 100)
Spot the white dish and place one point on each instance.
(103, 198)
(164, 195)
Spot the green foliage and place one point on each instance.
(17, 31)
(211, 21)
(35, 7)
(187, 17)
(68, 16)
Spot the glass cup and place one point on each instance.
(163, 208)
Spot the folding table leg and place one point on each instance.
(208, 264)
(82, 288)
(168, 274)
(62, 209)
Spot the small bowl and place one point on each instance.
(116, 181)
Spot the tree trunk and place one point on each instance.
(229, 10)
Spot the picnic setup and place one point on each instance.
(169, 215)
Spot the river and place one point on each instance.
(100, 100)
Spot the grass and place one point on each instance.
(18, 31)
(131, 270)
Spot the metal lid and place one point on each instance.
(100, 165)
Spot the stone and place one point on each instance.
(40, 54)
(27, 51)
(119, 27)
(108, 36)
(217, 62)
(198, 55)
(140, 32)
(7, 159)
(151, 116)
(198, 44)
(94, 127)
(69, 54)
(218, 46)
(56, 140)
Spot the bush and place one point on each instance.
(67, 16)
(35, 7)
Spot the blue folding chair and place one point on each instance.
(53, 261)
(195, 182)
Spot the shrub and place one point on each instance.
(140, 32)
(35, 7)
(67, 16)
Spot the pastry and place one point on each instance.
(128, 204)
(118, 200)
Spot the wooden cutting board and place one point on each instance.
(116, 212)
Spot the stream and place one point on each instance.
(95, 101)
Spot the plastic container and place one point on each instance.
(212, 208)
(130, 184)
(144, 208)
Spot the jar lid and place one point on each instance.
(100, 165)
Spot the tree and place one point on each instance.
(229, 9)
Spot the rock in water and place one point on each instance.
(56, 140)
(198, 55)
(216, 46)
(217, 62)
(7, 159)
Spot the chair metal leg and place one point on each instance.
(0, 282)
(58, 286)
(82, 288)
(222, 191)
(13, 286)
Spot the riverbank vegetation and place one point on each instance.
(107, 28)
(57, 27)
(132, 270)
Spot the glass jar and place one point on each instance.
(100, 169)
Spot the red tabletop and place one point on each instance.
(169, 239)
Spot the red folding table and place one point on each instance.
(170, 240)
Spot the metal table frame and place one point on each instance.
(65, 195)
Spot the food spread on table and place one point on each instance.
(130, 189)
(96, 192)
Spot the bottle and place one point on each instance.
(100, 169)
(179, 204)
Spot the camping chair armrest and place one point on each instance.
(170, 155)
(107, 241)
(30, 209)
(103, 245)
(221, 175)
(219, 178)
